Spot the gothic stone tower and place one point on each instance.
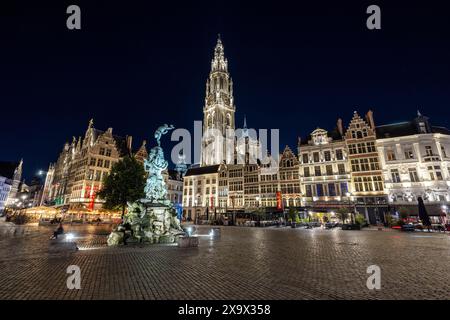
(218, 112)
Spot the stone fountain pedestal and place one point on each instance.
(148, 222)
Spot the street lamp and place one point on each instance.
(349, 195)
(196, 204)
(445, 211)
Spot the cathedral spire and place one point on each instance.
(219, 109)
(219, 62)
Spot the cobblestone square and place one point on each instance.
(244, 263)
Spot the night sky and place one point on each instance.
(136, 65)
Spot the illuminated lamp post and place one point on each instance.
(349, 195)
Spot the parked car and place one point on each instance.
(330, 225)
(438, 227)
(351, 226)
(408, 227)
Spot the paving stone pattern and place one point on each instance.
(244, 263)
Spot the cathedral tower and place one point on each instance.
(218, 112)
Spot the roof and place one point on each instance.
(173, 175)
(7, 169)
(334, 134)
(202, 170)
(404, 129)
(396, 130)
(121, 142)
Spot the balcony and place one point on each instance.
(431, 158)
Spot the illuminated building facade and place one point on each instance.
(324, 169)
(77, 174)
(367, 185)
(415, 159)
(10, 175)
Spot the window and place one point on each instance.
(437, 169)
(413, 175)
(100, 163)
(428, 151)
(317, 171)
(305, 158)
(344, 188)
(319, 189)
(390, 154)
(431, 172)
(329, 169)
(102, 151)
(378, 183)
(92, 162)
(358, 184)
(435, 172)
(108, 152)
(409, 154)
(107, 163)
(316, 156)
(374, 164)
(306, 172)
(355, 165)
(339, 154)
(362, 148)
(368, 183)
(352, 149)
(98, 175)
(308, 190)
(341, 168)
(395, 176)
(364, 164)
(444, 154)
(422, 127)
(327, 155)
(331, 190)
(371, 147)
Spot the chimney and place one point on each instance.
(129, 142)
(340, 127)
(369, 118)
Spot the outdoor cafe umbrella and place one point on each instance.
(423, 215)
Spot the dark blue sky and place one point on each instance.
(135, 65)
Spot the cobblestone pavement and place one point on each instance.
(245, 263)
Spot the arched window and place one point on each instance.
(228, 120)
(359, 134)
